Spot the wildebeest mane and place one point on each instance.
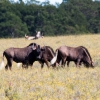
(51, 49)
(86, 51)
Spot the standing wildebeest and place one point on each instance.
(26, 55)
(77, 54)
(46, 55)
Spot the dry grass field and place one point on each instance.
(51, 84)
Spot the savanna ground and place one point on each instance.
(51, 84)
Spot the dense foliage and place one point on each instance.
(71, 17)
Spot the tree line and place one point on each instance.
(70, 17)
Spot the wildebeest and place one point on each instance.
(26, 55)
(38, 35)
(46, 55)
(77, 54)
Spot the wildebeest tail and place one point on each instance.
(2, 63)
(54, 58)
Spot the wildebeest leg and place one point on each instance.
(42, 65)
(54, 65)
(68, 63)
(10, 63)
(63, 61)
(6, 67)
(58, 62)
(47, 63)
(25, 66)
(78, 63)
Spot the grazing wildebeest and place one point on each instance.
(77, 54)
(26, 55)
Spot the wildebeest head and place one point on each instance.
(33, 45)
(47, 53)
(36, 50)
(87, 58)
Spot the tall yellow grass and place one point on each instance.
(52, 84)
